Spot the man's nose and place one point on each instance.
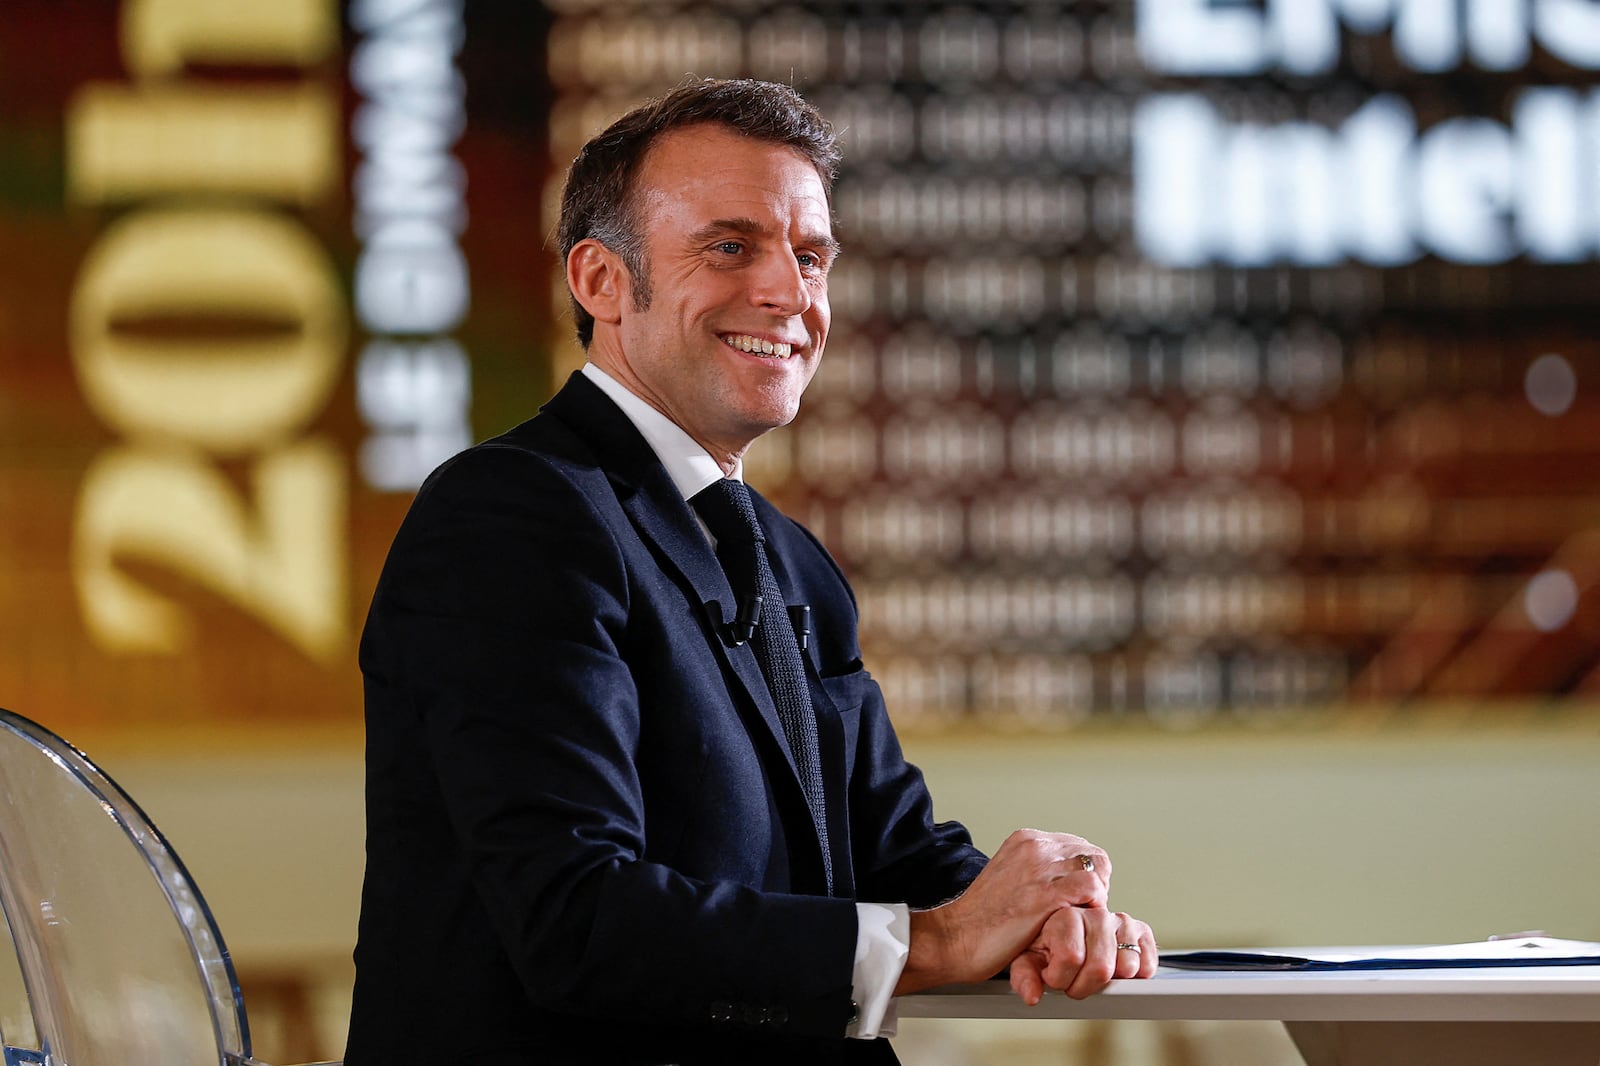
(780, 285)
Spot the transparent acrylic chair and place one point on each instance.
(118, 959)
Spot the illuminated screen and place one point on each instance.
(1189, 359)
(266, 265)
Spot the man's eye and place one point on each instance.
(730, 247)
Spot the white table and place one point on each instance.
(1528, 1016)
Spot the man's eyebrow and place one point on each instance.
(825, 242)
(749, 227)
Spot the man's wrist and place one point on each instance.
(927, 962)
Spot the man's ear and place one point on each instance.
(598, 279)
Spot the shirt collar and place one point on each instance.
(690, 466)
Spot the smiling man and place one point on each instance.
(632, 796)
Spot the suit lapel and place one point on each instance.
(666, 523)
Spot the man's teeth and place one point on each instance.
(754, 345)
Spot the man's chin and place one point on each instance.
(761, 424)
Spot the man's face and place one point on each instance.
(738, 242)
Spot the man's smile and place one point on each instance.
(744, 342)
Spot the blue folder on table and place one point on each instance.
(1514, 951)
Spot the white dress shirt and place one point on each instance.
(883, 930)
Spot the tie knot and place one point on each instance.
(727, 510)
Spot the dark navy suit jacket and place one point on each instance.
(586, 840)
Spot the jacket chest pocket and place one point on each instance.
(847, 693)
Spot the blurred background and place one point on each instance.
(1209, 427)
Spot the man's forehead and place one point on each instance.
(697, 156)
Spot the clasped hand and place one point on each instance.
(1039, 907)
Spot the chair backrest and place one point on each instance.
(120, 959)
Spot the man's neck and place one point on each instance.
(687, 462)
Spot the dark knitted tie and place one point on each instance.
(728, 513)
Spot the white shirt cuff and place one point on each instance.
(883, 941)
